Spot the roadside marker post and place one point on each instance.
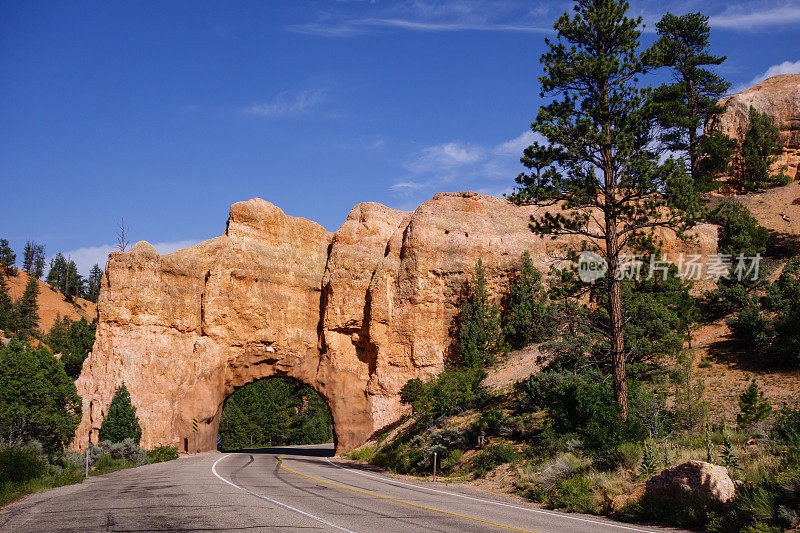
(87, 460)
(194, 430)
(435, 454)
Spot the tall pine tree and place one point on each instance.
(121, 422)
(684, 106)
(610, 184)
(5, 305)
(759, 152)
(27, 310)
(7, 259)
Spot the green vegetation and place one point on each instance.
(478, 323)
(33, 259)
(73, 339)
(759, 152)
(121, 422)
(274, 412)
(529, 316)
(38, 401)
(770, 325)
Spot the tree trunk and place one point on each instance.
(617, 331)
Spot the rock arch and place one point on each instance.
(353, 314)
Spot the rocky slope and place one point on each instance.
(779, 97)
(354, 314)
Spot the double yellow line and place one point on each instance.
(279, 462)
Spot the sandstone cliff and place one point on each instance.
(779, 97)
(354, 314)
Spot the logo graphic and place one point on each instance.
(591, 266)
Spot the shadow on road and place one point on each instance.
(319, 450)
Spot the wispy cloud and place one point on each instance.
(740, 19)
(286, 104)
(445, 16)
(89, 256)
(462, 165)
(787, 67)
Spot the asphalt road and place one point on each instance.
(279, 489)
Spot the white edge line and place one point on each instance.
(531, 509)
(318, 519)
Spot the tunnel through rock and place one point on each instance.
(274, 411)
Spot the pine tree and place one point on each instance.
(7, 259)
(27, 310)
(57, 275)
(759, 151)
(686, 105)
(753, 406)
(610, 184)
(6, 305)
(33, 262)
(478, 322)
(529, 316)
(93, 283)
(121, 421)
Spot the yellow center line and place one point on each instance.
(279, 462)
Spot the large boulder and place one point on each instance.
(694, 481)
(779, 97)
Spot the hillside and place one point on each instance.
(52, 303)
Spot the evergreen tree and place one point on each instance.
(236, 430)
(37, 399)
(27, 310)
(121, 422)
(7, 259)
(93, 284)
(73, 340)
(759, 151)
(684, 106)
(478, 323)
(610, 185)
(753, 406)
(528, 317)
(6, 306)
(57, 275)
(783, 298)
(33, 259)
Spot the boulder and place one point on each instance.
(693, 481)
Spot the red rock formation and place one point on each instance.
(354, 314)
(779, 97)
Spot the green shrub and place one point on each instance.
(751, 328)
(574, 495)
(787, 426)
(753, 407)
(106, 464)
(582, 404)
(162, 454)
(451, 392)
(492, 457)
(20, 464)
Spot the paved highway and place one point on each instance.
(279, 489)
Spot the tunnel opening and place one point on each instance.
(274, 411)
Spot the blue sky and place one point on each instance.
(166, 113)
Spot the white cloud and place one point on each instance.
(286, 104)
(770, 17)
(89, 256)
(787, 67)
(517, 145)
(441, 16)
(445, 157)
(462, 166)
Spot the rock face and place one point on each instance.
(354, 314)
(695, 481)
(779, 97)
